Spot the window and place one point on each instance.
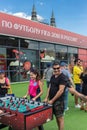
(3, 58)
(61, 53)
(72, 54)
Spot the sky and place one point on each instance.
(70, 15)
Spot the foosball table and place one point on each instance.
(24, 114)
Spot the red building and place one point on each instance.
(37, 43)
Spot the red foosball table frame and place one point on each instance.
(27, 120)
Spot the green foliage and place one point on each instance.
(75, 119)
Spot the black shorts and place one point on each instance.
(58, 108)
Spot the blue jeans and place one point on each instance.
(78, 88)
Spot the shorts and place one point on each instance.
(58, 108)
(78, 88)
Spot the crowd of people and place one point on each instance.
(59, 81)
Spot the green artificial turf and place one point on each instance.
(75, 119)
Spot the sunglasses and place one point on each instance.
(56, 68)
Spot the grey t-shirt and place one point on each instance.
(48, 72)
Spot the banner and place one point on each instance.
(20, 27)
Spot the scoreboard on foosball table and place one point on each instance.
(22, 114)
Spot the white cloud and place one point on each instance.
(24, 15)
(40, 18)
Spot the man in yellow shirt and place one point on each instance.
(77, 70)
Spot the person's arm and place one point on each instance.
(73, 91)
(72, 82)
(26, 95)
(44, 74)
(58, 94)
(70, 78)
(1, 111)
(41, 91)
(7, 83)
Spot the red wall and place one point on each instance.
(19, 27)
(82, 54)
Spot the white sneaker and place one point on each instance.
(77, 106)
(67, 109)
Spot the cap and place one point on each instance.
(2, 71)
(63, 64)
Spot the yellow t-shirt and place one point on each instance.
(76, 74)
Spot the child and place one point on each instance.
(83, 77)
(4, 84)
(35, 86)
